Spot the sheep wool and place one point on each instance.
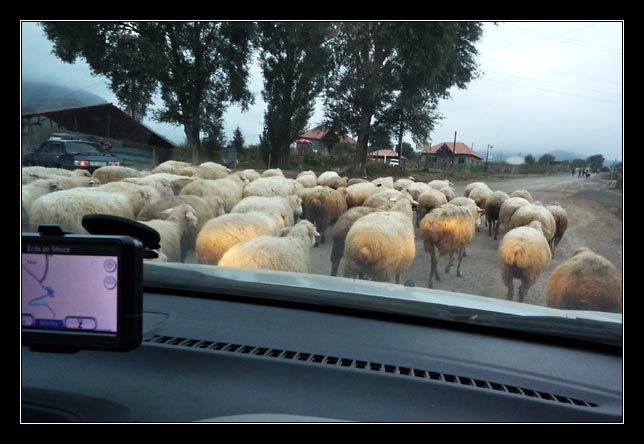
(586, 281)
(342, 227)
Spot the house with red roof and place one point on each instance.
(447, 153)
(321, 140)
(385, 156)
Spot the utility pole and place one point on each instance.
(487, 155)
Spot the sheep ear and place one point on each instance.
(55, 187)
(166, 213)
(192, 217)
(481, 211)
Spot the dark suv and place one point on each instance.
(71, 154)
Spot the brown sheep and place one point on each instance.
(323, 207)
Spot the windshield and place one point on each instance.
(81, 147)
(467, 165)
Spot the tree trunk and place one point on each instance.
(360, 160)
(192, 136)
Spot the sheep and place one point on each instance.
(290, 252)
(427, 201)
(332, 179)
(492, 210)
(109, 174)
(30, 174)
(470, 186)
(384, 183)
(384, 200)
(151, 193)
(401, 184)
(248, 174)
(527, 213)
(170, 166)
(179, 223)
(524, 254)
(211, 171)
(188, 171)
(448, 192)
(221, 233)
(586, 281)
(30, 193)
(161, 181)
(68, 182)
(323, 207)
(522, 193)
(381, 244)
(508, 208)
(356, 180)
(272, 186)
(290, 208)
(448, 229)
(229, 190)
(415, 189)
(438, 184)
(480, 194)
(561, 221)
(357, 193)
(308, 179)
(67, 207)
(342, 226)
(274, 172)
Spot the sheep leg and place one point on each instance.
(507, 280)
(489, 227)
(450, 262)
(460, 258)
(398, 278)
(496, 229)
(432, 271)
(523, 289)
(336, 257)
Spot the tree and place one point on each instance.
(199, 68)
(546, 159)
(392, 74)
(409, 152)
(596, 162)
(529, 159)
(238, 140)
(578, 163)
(380, 138)
(294, 59)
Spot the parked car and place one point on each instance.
(71, 154)
(394, 162)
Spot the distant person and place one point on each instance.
(588, 173)
(105, 145)
(580, 170)
(573, 172)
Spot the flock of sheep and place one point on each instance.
(252, 220)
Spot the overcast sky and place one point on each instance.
(543, 86)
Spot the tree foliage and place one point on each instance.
(294, 59)
(392, 74)
(546, 159)
(238, 140)
(199, 68)
(529, 159)
(596, 162)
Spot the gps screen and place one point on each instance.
(69, 292)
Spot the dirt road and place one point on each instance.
(595, 215)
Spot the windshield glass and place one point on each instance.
(81, 147)
(476, 162)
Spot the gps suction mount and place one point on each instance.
(120, 226)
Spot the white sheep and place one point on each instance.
(439, 184)
(149, 192)
(272, 186)
(229, 190)
(107, 174)
(447, 229)
(480, 194)
(402, 183)
(308, 179)
(340, 230)
(32, 173)
(274, 172)
(427, 201)
(174, 182)
(357, 193)
(470, 186)
(323, 207)
(289, 208)
(290, 252)
(248, 174)
(211, 171)
(170, 166)
(415, 189)
(385, 199)
(471, 205)
(449, 193)
(67, 207)
(189, 171)
(179, 223)
(356, 180)
(508, 207)
(33, 191)
(384, 183)
(527, 213)
(524, 254)
(522, 193)
(332, 179)
(381, 245)
(586, 281)
(493, 209)
(561, 221)
(221, 233)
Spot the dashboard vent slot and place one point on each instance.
(378, 367)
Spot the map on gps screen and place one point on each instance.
(69, 292)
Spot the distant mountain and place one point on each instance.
(41, 95)
(566, 155)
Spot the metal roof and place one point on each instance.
(461, 149)
(103, 120)
(320, 132)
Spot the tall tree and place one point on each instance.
(546, 159)
(392, 74)
(294, 58)
(596, 162)
(200, 68)
(238, 140)
(529, 159)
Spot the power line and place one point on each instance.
(573, 42)
(556, 83)
(551, 90)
